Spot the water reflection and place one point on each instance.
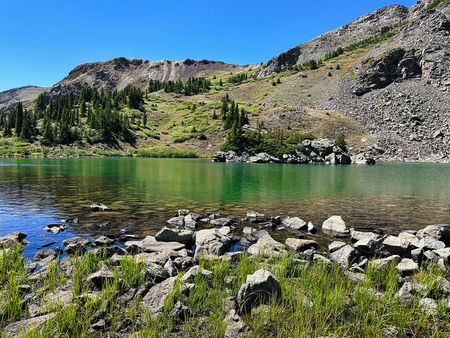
(144, 192)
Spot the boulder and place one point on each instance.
(104, 241)
(358, 235)
(428, 305)
(221, 222)
(99, 207)
(396, 246)
(440, 232)
(97, 280)
(190, 221)
(255, 217)
(212, 241)
(295, 223)
(428, 243)
(344, 256)
(177, 221)
(266, 245)
(15, 329)
(383, 263)
(150, 244)
(156, 296)
(189, 276)
(258, 288)
(335, 226)
(336, 245)
(300, 245)
(174, 235)
(235, 326)
(407, 267)
(443, 253)
(44, 255)
(370, 247)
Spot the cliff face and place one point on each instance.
(362, 28)
(120, 72)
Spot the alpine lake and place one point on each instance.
(144, 193)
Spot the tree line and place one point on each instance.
(193, 86)
(94, 115)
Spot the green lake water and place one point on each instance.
(145, 193)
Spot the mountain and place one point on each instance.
(383, 80)
(10, 98)
(121, 72)
(397, 85)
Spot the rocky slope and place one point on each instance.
(398, 89)
(121, 72)
(10, 98)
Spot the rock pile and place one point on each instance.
(318, 151)
(171, 262)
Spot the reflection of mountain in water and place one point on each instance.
(145, 192)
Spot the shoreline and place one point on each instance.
(155, 283)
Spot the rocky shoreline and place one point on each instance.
(170, 260)
(318, 151)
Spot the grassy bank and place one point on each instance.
(317, 300)
(19, 149)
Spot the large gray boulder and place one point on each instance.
(259, 288)
(440, 232)
(20, 327)
(428, 243)
(396, 246)
(345, 256)
(212, 241)
(174, 235)
(295, 223)
(150, 244)
(266, 245)
(300, 245)
(407, 267)
(155, 298)
(335, 226)
(370, 247)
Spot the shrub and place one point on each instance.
(340, 141)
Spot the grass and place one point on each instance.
(317, 300)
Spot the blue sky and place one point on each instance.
(42, 41)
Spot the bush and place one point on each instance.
(340, 141)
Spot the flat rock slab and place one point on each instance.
(13, 329)
(157, 295)
(174, 235)
(300, 245)
(150, 244)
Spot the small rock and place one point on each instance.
(299, 245)
(407, 267)
(99, 207)
(428, 305)
(295, 223)
(181, 312)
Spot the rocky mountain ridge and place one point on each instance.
(121, 72)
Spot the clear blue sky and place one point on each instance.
(42, 41)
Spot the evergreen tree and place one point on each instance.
(19, 119)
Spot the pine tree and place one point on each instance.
(19, 119)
